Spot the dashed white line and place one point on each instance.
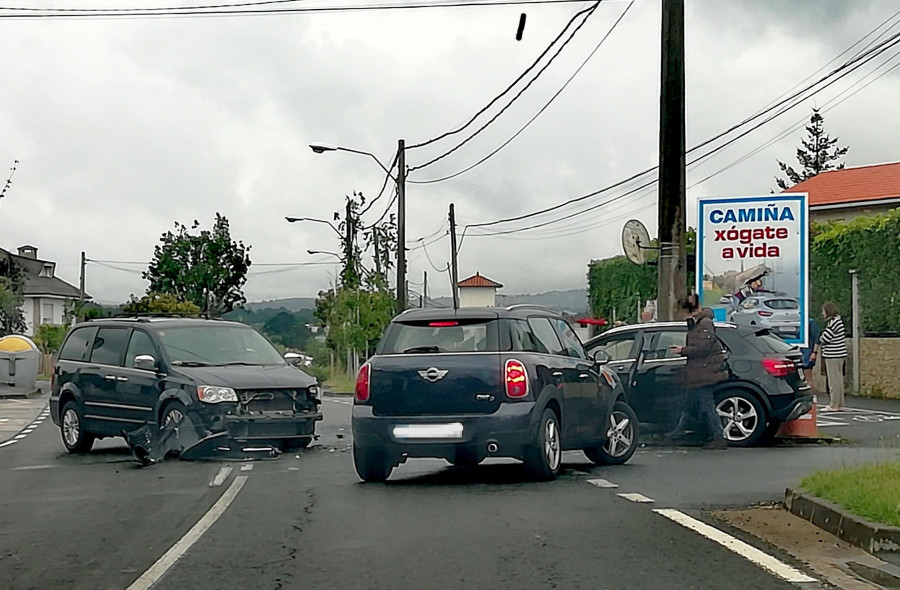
(639, 498)
(337, 401)
(763, 560)
(247, 467)
(19, 436)
(162, 565)
(602, 483)
(220, 477)
(32, 467)
(7, 443)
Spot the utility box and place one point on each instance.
(19, 362)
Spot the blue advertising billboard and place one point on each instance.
(753, 261)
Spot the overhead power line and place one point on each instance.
(508, 88)
(536, 115)
(587, 13)
(781, 107)
(250, 10)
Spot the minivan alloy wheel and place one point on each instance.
(71, 427)
(173, 417)
(739, 418)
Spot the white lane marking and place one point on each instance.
(247, 467)
(28, 431)
(220, 477)
(763, 560)
(602, 483)
(32, 467)
(162, 565)
(7, 443)
(640, 498)
(2, 420)
(827, 424)
(20, 436)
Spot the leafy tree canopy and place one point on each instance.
(160, 303)
(12, 281)
(208, 269)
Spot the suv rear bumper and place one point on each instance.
(511, 429)
(793, 409)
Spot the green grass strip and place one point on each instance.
(870, 491)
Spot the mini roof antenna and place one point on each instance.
(635, 239)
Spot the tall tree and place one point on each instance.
(12, 282)
(817, 154)
(208, 269)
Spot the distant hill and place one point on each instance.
(573, 301)
(293, 304)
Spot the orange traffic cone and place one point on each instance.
(802, 427)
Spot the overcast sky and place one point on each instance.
(124, 126)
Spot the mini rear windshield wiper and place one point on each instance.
(421, 349)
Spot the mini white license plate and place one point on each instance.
(419, 431)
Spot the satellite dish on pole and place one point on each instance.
(635, 239)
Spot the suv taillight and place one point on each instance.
(516, 379)
(362, 384)
(778, 367)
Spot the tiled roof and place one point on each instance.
(852, 185)
(477, 280)
(35, 284)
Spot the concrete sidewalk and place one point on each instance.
(17, 413)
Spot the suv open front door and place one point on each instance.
(656, 379)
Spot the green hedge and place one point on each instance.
(870, 245)
(614, 284)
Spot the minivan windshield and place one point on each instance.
(218, 345)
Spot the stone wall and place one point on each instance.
(879, 371)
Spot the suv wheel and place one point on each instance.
(71, 427)
(371, 464)
(743, 417)
(544, 459)
(622, 438)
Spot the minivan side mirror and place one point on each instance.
(293, 358)
(601, 357)
(145, 362)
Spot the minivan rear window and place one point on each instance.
(441, 336)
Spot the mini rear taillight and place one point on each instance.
(778, 367)
(442, 324)
(516, 379)
(362, 384)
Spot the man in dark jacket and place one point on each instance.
(706, 367)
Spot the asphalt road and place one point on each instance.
(304, 520)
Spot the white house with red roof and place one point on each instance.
(841, 195)
(478, 291)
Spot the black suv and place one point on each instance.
(115, 375)
(487, 382)
(766, 384)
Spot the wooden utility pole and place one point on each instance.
(672, 277)
(401, 226)
(80, 316)
(454, 280)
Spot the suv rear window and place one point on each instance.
(767, 343)
(433, 336)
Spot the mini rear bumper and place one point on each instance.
(504, 433)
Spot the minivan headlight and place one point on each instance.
(212, 394)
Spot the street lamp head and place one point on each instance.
(322, 147)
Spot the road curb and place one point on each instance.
(865, 534)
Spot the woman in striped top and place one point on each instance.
(834, 353)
